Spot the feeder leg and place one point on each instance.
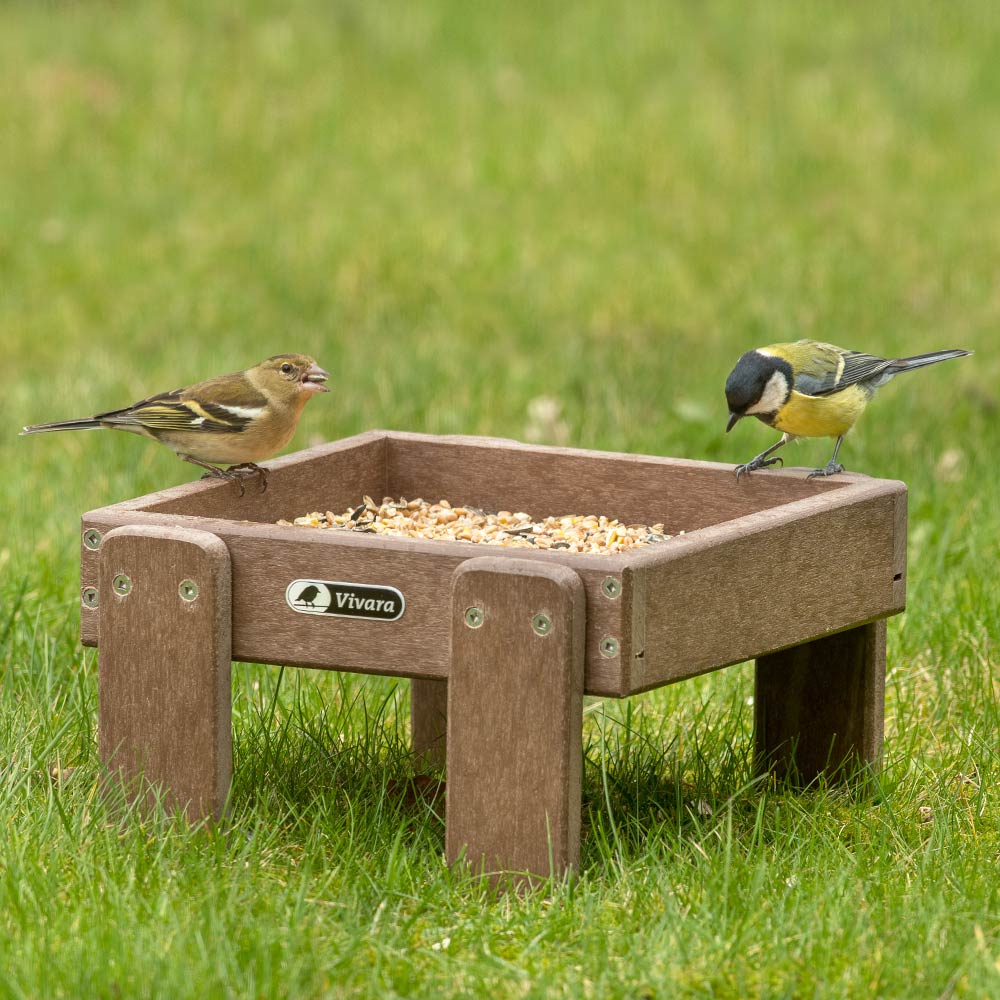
(819, 707)
(515, 717)
(164, 666)
(429, 721)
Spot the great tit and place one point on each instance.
(809, 389)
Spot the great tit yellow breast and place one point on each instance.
(821, 416)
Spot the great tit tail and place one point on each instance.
(920, 360)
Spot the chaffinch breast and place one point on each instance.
(234, 420)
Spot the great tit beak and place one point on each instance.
(733, 417)
(313, 378)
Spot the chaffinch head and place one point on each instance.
(234, 420)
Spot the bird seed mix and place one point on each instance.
(403, 518)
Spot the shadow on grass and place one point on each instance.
(337, 756)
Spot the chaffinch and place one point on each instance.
(232, 420)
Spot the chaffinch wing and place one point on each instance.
(235, 420)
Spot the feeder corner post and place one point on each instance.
(429, 721)
(164, 651)
(515, 718)
(819, 706)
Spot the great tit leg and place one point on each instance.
(762, 461)
(833, 467)
(247, 469)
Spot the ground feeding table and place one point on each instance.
(799, 575)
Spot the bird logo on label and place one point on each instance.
(339, 599)
(308, 594)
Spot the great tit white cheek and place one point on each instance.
(773, 397)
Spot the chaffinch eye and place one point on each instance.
(286, 369)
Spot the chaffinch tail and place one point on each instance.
(234, 420)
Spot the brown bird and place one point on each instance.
(234, 420)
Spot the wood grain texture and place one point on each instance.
(772, 562)
(321, 478)
(328, 477)
(429, 722)
(494, 474)
(515, 710)
(164, 667)
(899, 550)
(266, 558)
(819, 707)
(777, 579)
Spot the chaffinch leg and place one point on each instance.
(245, 469)
(236, 473)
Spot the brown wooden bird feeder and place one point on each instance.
(500, 644)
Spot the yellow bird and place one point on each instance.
(239, 418)
(810, 389)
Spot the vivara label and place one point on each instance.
(345, 600)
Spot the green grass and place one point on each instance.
(458, 208)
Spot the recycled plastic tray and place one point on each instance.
(797, 574)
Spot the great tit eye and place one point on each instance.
(286, 369)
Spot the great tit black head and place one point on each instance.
(759, 385)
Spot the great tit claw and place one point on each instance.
(757, 463)
(831, 469)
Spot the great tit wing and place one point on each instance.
(860, 367)
(831, 369)
(817, 367)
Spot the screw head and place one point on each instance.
(188, 590)
(474, 617)
(121, 584)
(609, 647)
(541, 624)
(88, 597)
(92, 539)
(611, 587)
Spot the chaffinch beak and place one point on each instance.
(313, 378)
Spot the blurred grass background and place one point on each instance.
(460, 209)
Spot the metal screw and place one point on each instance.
(609, 647)
(474, 617)
(188, 590)
(541, 624)
(121, 584)
(89, 597)
(611, 587)
(92, 539)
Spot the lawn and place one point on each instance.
(461, 210)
